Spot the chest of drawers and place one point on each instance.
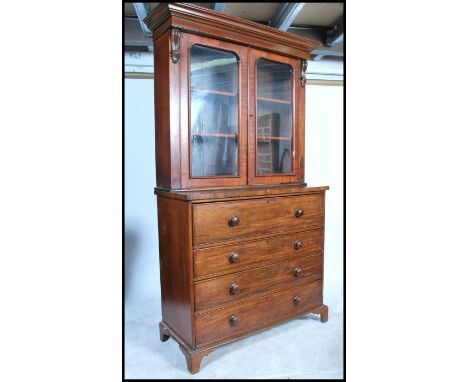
(237, 262)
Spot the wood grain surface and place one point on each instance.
(215, 261)
(256, 217)
(252, 314)
(214, 292)
(175, 262)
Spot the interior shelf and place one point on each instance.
(268, 138)
(214, 92)
(215, 135)
(276, 100)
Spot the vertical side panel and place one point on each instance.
(244, 126)
(174, 115)
(323, 247)
(175, 249)
(301, 125)
(167, 114)
(184, 110)
(252, 123)
(161, 91)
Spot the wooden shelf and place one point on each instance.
(215, 135)
(276, 100)
(214, 92)
(268, 138)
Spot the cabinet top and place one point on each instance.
(206, 22)
(239, 193)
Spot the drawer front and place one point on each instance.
(220, 221)
(255, 314)
(236, 286)
(232, 258)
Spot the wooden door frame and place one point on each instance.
(186, 42)
(298, 121)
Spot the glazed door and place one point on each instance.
(213, 92)
(274, 123)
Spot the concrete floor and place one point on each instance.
(301, 348)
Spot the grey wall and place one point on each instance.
(141, 243)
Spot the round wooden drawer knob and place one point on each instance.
(299, 213)
(233, 320)
(298, 244)
(233, 221)
(234, 258)
(234, 289)
(297, 271)
(297, 300)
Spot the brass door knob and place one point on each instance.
(234, 258)
(298, 244)
(299, 213)
(297, 271)
(234, 289)
(233, 320)
(233, 221)
(297, 300)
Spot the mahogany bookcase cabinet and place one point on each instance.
(240, 233)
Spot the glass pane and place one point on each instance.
(214, 119)
(274, 118)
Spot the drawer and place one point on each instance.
(236, 257)
(220, 221)
(239, 285)
(256, 314)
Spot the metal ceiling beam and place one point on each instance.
(327, 52)
(134, 35)
(219, 7)
(142, 10)
(335, 36)
(319, 33)
(285, 15)
(311, 33)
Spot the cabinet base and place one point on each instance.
(164, 332)
(323, 311)
(194, 357)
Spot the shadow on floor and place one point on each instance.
(130, 254)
